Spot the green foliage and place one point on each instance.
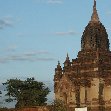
(58, 105)
(0, 93)
(27, 93)
(0, 101)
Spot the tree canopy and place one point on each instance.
(27, 93)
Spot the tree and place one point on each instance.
(58, 105)
(0, 97)
(0, 92)
(27, 93)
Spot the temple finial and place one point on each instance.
(58, 63)
(67, 58)
(94, 17)
(95, 3)
(67, 55)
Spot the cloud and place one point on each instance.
(6, 22)
(55, 1)
(65, 33)
(11, 48)
(50, 1)
(28, 57)
(34, 53)
(3, 60)
(45, 59)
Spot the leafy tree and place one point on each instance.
(0, 92)
(27, 93)
(0, 97)
(58, 105)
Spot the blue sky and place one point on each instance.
(35, 34)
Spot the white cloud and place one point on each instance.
(55, 1)
(3, 60)
(11, 48)
(65, 33)
(34, 53)
(50, 1)
(6, 22)
(28, 57)
(45, 59)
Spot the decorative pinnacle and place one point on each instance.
(94, 3)
(67, 58)
(58, 63)
(94, 17)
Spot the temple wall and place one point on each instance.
(107, 94)
(59, 96)
(94, 89)
(88, 94)
(72, 99)
(82, 95)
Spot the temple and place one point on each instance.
(86, 80)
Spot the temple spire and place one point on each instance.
(67, 58)
(94, 17)
(58, 64)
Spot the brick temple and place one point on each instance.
(86, 80)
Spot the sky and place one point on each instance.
(35, 34)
